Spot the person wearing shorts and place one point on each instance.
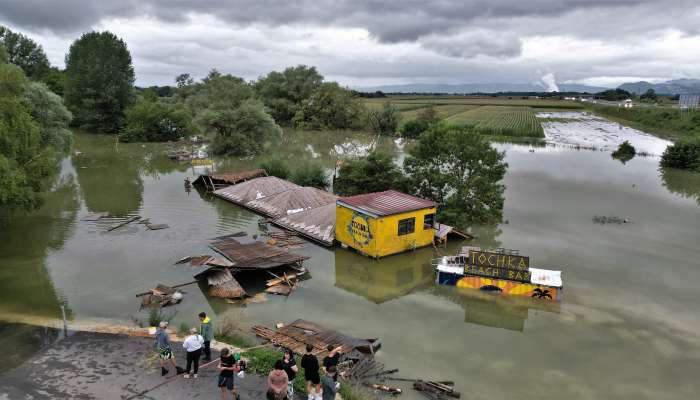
(163, 347)
(228, 367)
(309, 363)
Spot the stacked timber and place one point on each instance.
(223, 284)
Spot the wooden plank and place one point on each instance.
(128, 221)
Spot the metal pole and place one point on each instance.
(65, 324)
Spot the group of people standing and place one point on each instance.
(318, 387)
(196, 343)
(280, 380)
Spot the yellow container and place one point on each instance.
(384, 223)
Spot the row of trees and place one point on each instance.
(33, 124)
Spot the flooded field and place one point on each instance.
(628, 326)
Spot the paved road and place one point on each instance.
(101, 366)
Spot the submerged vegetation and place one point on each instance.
(684, 154)
(624, 152)
(664, 120)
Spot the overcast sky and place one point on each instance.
(371, 42)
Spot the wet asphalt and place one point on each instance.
(88, 365)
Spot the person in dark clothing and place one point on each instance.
(228, 367)
(309, 363)
(207, 332)
(332, 359)
(330, 387)
(290, 367)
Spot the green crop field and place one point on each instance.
(501, 121)
(404, 101)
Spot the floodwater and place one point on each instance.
(627, 328)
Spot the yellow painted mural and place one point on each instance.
(510, 287)
(382, 235)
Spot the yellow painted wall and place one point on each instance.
(378, 237)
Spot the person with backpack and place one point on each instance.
(193, 345)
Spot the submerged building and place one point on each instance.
(384, 223)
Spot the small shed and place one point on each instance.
(384, 223)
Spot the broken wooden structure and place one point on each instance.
(212, 182)
(443, 231)
(435, 390)
(299, 333)
(238, 254)
(160, 296)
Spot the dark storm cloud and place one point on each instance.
(388, 21)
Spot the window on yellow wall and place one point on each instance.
(428, 221)
(407, 226)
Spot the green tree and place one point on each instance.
(615, 95)
(25, 53)
(384, 121)
(183, 80)
(460, 170)
(99, 81)
(154, 120)
(275, 167)
(413, 128)
(3, 54)
(52, 117)
(330, 107)
(649, 95)
(284, 92)
(374, 173)
(55, 79)
(240, 131)
(24, 162)
(216, 92)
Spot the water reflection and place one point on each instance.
(26, 288)
(493, 309)
(381, 281)
(684, 183)
(109, 174)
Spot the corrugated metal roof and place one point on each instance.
(386, 203)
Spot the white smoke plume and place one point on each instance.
(549, 82)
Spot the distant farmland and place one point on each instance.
(496, 116)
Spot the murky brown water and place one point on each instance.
(628, 326)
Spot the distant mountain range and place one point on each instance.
(677, 86)
(477, 88)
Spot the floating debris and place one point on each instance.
(194, 261)
(161, 295)
(95, 216)
(435, 390)
(223, 284)
(602, 219)
(299, 333)
(123, 223)
(155, 227)
(218, 181)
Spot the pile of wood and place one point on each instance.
(283, 285)
(118, 222)
(299, 333)
(161, 296)
(371, 373)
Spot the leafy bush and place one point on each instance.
(624, 152)
(153, 120)
(684, 154)
(275, 167)
(374, 173)
(413, 128)
(310, 174)
(384, 121)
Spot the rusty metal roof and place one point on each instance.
(254, 255)
(386, 203)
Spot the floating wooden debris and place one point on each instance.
(94, 216)
(194, 261)
(435, 390)
(257, 298)
(442, 231)
(219, 262)
(155, 227)
(299, 333)
(125, 222)
(384, 388)
(283, 290)
(255, 255)
(284, 239)
(161, 295)
(365, 370)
